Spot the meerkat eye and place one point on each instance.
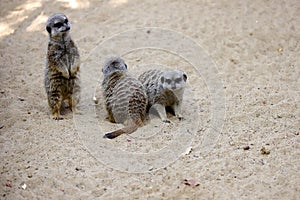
(184, 77)
(114, 64)
(125, 66)
(66, 20)
(58, 24)
(162, 79)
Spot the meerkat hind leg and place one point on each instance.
(70, 101)
(56, 110)
(55, 102)
(161, 110)
(110, 116)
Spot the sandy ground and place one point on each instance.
(253, 49)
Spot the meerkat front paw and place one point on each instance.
(58, 118)
(180, 118)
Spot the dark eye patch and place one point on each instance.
(58, 24)
(177, 80)
(66, 20)
(168, 81)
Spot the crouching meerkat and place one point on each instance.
(164, 88)
(62, 66)
(125, 97)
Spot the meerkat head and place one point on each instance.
(173, 80)
(58, 26)
(113, 65)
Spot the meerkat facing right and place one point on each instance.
(125, 97)
(62, 66)
(164, 88)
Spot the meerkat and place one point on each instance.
(164, 88)
(125, 97)
(62, 66)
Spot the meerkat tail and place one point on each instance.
(126, 130)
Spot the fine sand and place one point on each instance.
(240, 135)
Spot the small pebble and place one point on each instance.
(24, 186)
(246, 148)
(77, 168)
(265, 151)
(95, 99)
(8, 184)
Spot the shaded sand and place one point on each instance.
(249, 66)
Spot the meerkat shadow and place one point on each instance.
(170, 110)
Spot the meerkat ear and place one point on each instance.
(48, 29)
(184, 77)
(162, 79)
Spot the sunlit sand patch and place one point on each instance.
(75, 4)
(38, 23)
(116, 3)
(16, 17)
(29, 6)
(5, 29)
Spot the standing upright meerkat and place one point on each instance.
(125, 97)
(62, 66)
(164, 88)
